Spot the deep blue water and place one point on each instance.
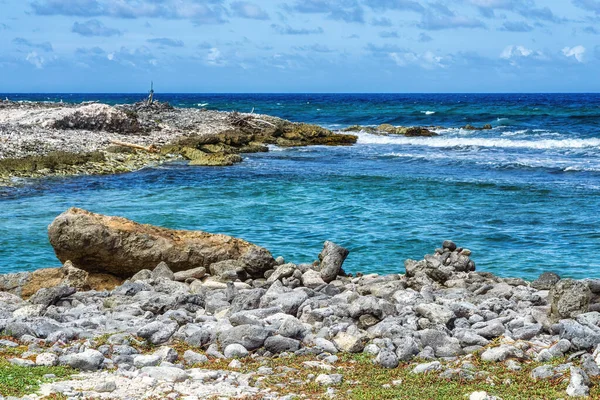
(524, 197)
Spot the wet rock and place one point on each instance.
(121, 247)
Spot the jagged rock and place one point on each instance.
(49, 296)
(545, 281)
(332, 258)
(121, 247)
(569, 298)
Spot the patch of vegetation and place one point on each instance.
(362, 380)
(53, 161)
(19, 381)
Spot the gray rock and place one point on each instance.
(248, 300)
(349, 343)
(591, 319)
(589, 366)
(279, 344)
(326, 345)
(282, 271)
(194, 273)
(150, 360)
(312, 279)
(105, 387)
(543, 372)
(581, 337)
(436, 313)
(213, 351)
(407, 349)
(162, 270)
(578, 385)
(89, 360)
(468, 337)
(329, 380)
(50, 296)
(235, 351)
(387, 359)
(427, 367)
(527, 332)
(142, 275)
(157, 332)
(569, 298)
(168, 374)
(251, 337)
(332, 258)
(46, 360)
(442, 344)
(190, 357)
(545, 281)
(501, 353)
(21, 362)
(449, 244)
(491, 329)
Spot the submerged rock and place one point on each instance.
(98, 243)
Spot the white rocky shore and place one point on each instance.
(154, 335)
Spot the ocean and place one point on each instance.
(524, 197)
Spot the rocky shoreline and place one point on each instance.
(144, 311)
(48, 139)
(60, 139)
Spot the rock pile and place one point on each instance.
(441, 309)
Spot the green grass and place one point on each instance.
(19, 381)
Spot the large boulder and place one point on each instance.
(569, 298)
(118, 246)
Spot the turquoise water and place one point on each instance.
(523, 197)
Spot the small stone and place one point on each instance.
(162, 270)
(106, 387)
(329, 380)
(46, 360)
(449, 244)
(235, 364)
(387, 359)
(21, 362)
(235, 350)
(89, 360)
(578, 385)
(427, 367)
(190, 357)
(168, 374)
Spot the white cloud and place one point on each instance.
(214, 57)
(427, 60)
(35, 59)
(577, 52)
(515, 51)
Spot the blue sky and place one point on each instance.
(300, 46)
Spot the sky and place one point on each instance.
(212, 46)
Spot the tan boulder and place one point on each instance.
(120, 247)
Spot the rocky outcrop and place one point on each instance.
(95, 117)
(388, 129)
(117, 246)
(26, 284)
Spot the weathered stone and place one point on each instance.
(387, 359)
(578, 384)
(50, 296)
(278, 344)
(195, 273)
(89, 360)
(545, 281)
(251, 337)
(332, 258)
(569, 298)
(98, 243)
(162, 270)
(235, 350)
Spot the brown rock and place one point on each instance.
(117, 246)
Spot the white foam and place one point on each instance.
(428, 112)
(202, 104)
(364, 138)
